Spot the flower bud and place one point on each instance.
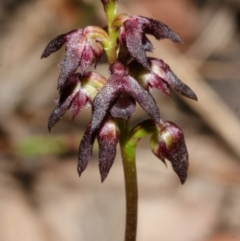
(168, 142)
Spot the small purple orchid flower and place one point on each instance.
(107, 136)
(132, 35)
(160, 77)
(83, 48)
(119, 83)
(168, 143)
(79, 91)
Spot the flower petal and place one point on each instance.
(164, 72)
(143, 97)
(108, 137)
(134, 42)
(158, 29)
(78, 102)
(58, 113)
(67, 95)
(56, 43)
(97, 50)
(103, 101)
(85, 150)
(148, 78)
(74, 49)
(87, 57)
(124, 107)
(158, 83)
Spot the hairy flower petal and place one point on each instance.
(67, 95)
(148, 79)
(56, 43)
(58, 113)
(118, 83)
(158, 83)
(97, 50)
(132, 35)
(107, 137)
(74, 49)
(158, 29)
(85, 150)
(143, 97)
(133, 42)
(124, 107)
(79, 91)
(169, 143)
(162, 70)
(104, 100)
(78, 102)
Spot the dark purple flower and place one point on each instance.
(160, 77)
(162, 72)
(83, 48)
(132, 35)
(77, 93)
(107, 136)
(168, 143)
(120, 83)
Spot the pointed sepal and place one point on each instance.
(85, 150)
(56, 43)
(163, 71)
(158, 29)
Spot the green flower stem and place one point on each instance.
(128, 150)
(130, 174)
(128, 144)
(141, 130)
(110, 8)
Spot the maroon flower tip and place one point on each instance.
(158, 29)
(108, 137)
(56, 43)
(58, 112)
(85, 150)
(169, 143)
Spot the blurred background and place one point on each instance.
(41, 195)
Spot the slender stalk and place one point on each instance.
(128, 150)
(110, 7)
